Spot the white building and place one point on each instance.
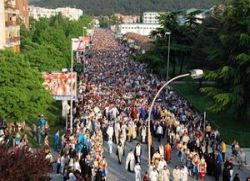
(71, 13)
(151, 17)
(139, 28)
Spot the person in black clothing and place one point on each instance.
(98, 176)
(226, 173)
(236, 177)
(84, 151)
(216, 169)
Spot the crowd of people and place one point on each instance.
(113, 101)
(114, 95)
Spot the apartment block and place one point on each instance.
(151, 17)
(23, 7)
(9, 27)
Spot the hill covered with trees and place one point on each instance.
(107, 7)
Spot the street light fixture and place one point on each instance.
(169, 34)
(195, 74)
(84, 31)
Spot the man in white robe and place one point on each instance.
(184, 173)
(143, 133)
(119, 152)
(130, 161)
(110, 132)
(154, 175)
(138, 152)
(176, 174)
(117, 132)
(137, 172)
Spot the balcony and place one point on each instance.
(10, 4)
(13, 40)
(11, 23)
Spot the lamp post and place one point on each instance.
(195, 74)
(71, 88)
(84, 31)
(169, 34)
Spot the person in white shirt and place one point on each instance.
(143, 133)
(130, 161)
(110, 132)
(176, 173)
(159, 132)
(164, 174)
(161, 150)
(77, 166)
(117, 132)
(184, 173)
(63, 162)
(138, 153)
(154, 175)
(137, 172)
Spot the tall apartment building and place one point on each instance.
(9, 27)
(23, 7)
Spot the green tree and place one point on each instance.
(46, 58)
(22, 93)
(232, 78)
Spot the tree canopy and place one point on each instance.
(232, 77)
(45, 47)
(220, 45)
(22, 92)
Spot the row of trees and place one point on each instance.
(220, 45)
(108, 7)
(44, 47)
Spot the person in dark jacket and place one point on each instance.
(236, 177)
(226, 173)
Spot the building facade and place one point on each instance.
(9, 26)
(71, 13)
(139, 28)
(150, 17)
(23, 7)
(127, 18)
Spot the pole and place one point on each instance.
(151, 107)
(71, 88)
(168, 55)
(204, 126)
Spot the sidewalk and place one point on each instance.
(246, 150)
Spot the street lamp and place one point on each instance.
(84, 31)
(195, 74)
(169, 34)
(74, 41)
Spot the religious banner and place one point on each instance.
(63, 86)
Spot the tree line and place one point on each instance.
(45, 47)
(220, 45)
(108, 7)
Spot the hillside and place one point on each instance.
(107, 7)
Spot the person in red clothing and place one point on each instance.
(145, 177)
(168, 151)
(202, 169)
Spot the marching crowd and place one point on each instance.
(113, 101)
(114, 95)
